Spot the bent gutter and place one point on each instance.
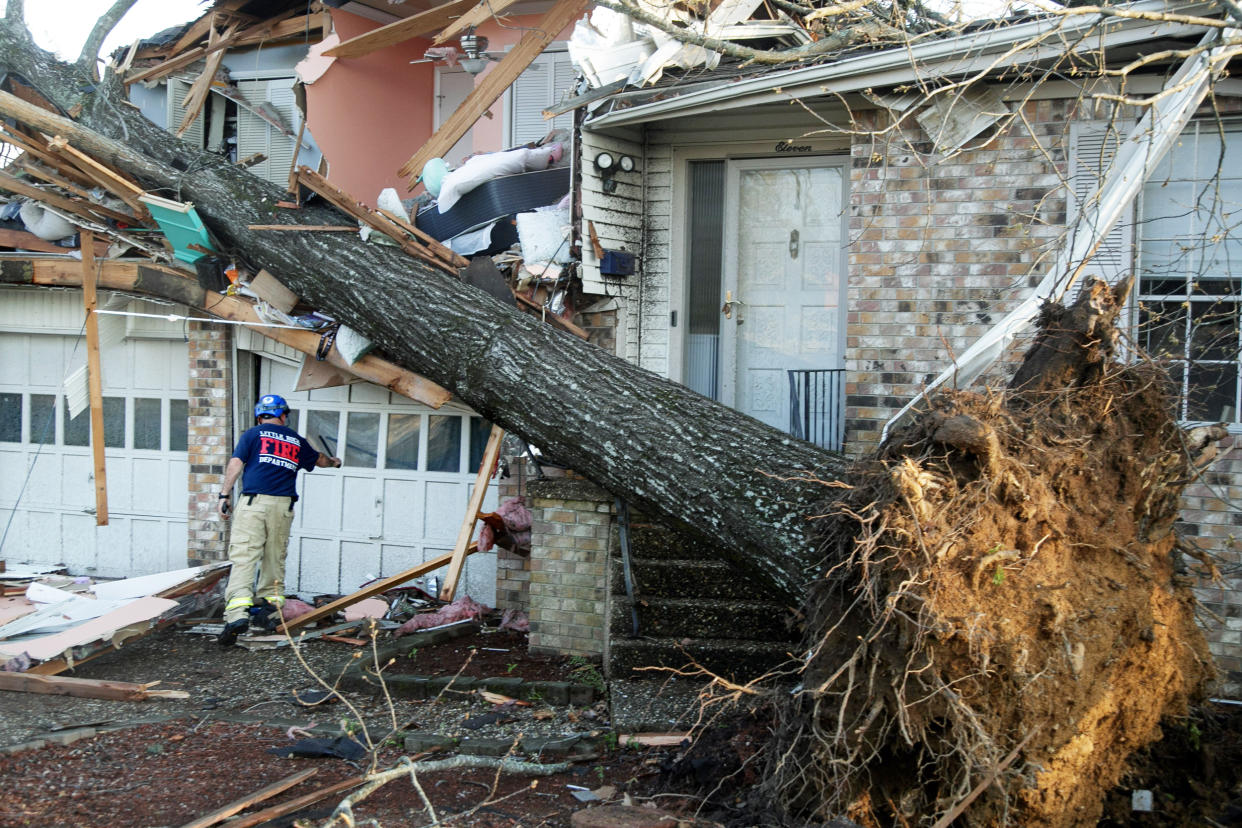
(962, 54)
(1144, 147)
(145, 278)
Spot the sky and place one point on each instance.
(63, 25)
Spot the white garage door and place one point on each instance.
(398, 500)
(47, 488)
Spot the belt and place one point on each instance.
(250, 496)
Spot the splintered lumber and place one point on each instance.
(254, 34)
(94, 377)
(85, 688)
(85, 209)
(111, 180)
(432, 252)
(480, 14)
(373, 589)
(490, 453)
(276, 811)
(180, 287)
(197, 96)
(424, 23)
(31, 147)
(28, 241)
(493, 85)
(245, 802)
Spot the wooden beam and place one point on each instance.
(493, 85)
(37, 170)
(481, 480)
(430, 251)
(29, 241)
(197, 96)
(269, 814)
(85, 688)
(254, 34)
(94, 377)
(30, 147)
(85, 209)
(424, 23)
(245, 802)
(111, 180)
(168, 283)
(373, 589)
(477, 16)
(287, 29)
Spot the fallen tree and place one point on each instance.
(994, 621)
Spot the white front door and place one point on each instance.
(454, 86)
(782, 322)
(398, 500)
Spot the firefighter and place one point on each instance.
(267, 459)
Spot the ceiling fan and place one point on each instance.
(473, 55)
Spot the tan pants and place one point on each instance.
(258, 540)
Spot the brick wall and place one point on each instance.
(512, 571)
(569, 566)
(210, 436)
(940, 249)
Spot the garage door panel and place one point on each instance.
(152, 368)
(148, 541)
(318, 566)
(360, 563)
(360, 515)
(77, 481)
(77, 538)
(125, 493)
(14, 463)
(367, 393)
(38, 538)
(319, 509)
(15, 367)
(446, 508)
(403, 506)
(46, 365)
(397, 557)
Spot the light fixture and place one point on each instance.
(474, 47)
(608, 165)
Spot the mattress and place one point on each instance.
(500, 197)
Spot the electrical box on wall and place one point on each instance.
(616, 263)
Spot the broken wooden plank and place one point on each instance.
(168, 283)
(293, 805)
(306, 228)
(476, 16)
(432, 252)
(29, 241)
(484, 476)
(197, 96)
(114, 182)
(585, 98)
(373, 589)
(424, 23)
(94, 377)
(251, 35)
(85, 209)
(85, 688)
(493, 85)
(531, 306)
(32, 147)
(38, 171)
(245, 802)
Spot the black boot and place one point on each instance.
(264, 616)
(228, 636)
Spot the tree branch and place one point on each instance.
(94, 42)
(873, 30)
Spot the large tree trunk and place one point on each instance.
(669, 451)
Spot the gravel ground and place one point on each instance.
(232, 683)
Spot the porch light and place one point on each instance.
(607, 166)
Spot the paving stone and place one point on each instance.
(485, 747)
(552, 692)
(581, 695)
(421, 742)
(622, 816)
(511, 687)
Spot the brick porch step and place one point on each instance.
(677, 578)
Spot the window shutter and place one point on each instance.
(529, 99)
(563, 76)
(254, 134)
(177, 90)
(1093, 145)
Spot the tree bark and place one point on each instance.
(669, 451)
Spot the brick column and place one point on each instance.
(569, 566)
(512, 571)
(211, 436)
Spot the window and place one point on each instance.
(361, 440)
(1190, 266)
(403, 431)
(147, 424)
(545, 83)
(10, 418)
(443, 443)
(78, 429)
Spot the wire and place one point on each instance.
(174, 317)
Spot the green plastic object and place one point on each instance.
(433, 175)
(181, 225)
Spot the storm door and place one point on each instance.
(767, 338)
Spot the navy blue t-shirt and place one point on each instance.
(272, 454)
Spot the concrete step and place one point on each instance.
(701, 618)
(732, 659)
(674, 578)
(652, 540)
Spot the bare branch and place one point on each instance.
(103, 27)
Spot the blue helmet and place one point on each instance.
(271, 405)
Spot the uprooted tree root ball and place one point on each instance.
(1005, 625)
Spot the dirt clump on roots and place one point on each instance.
(1014, 624)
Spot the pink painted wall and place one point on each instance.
(370, 114)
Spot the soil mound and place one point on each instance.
(1014, 625)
